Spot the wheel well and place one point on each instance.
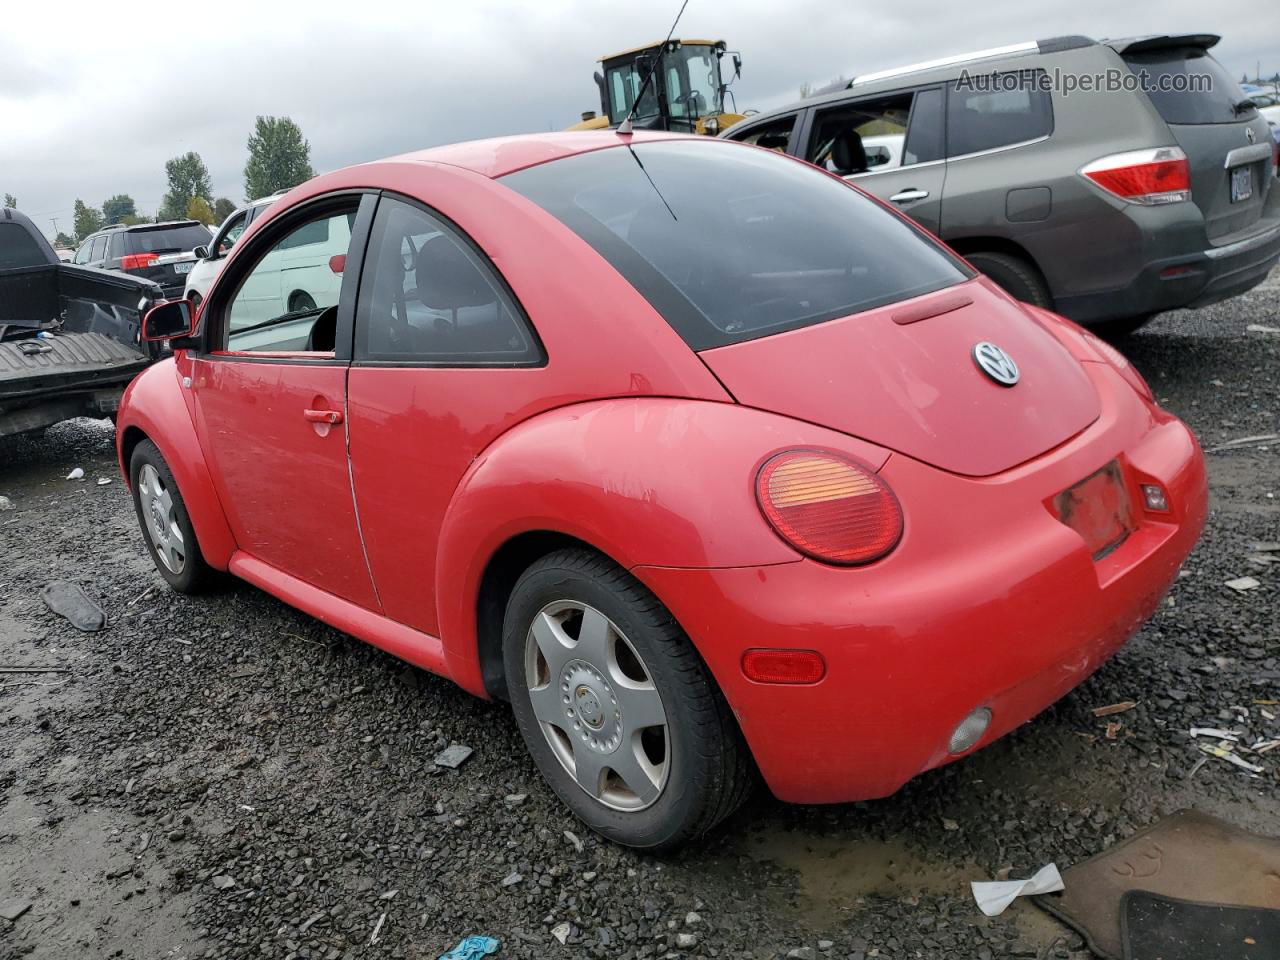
(499, 579)
(128, 443)
(967, 245)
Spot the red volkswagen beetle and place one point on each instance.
(703, 459)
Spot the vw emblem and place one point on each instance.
(995, 363)
(1248, 132)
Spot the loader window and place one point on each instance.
(731, 244)
(624, 83)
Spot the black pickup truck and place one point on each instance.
(69, 341)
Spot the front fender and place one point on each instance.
(647, 481)
(156, 404)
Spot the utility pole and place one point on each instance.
(55, 227)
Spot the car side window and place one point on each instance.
(924, 134)
(118, 244)
(862, 136)
(429, 296)
(232, 235)
(987, 111)
(775, 135)
(99, 248)
(82, 254)
(288, 302)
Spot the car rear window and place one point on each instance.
(1187, 85)
(18, 248)
(168, 239)
(731, 243)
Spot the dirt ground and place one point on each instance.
(226, 777)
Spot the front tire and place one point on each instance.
(619, 712)
(166, 527)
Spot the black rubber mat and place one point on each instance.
(1164, 928)
(1187, 856)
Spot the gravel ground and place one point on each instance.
(225, 777)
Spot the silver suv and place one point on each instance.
(1106, 180)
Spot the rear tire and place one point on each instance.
(1016, 276)
(1119, 327)
(166, 527)
(300, 300)
(622, 697)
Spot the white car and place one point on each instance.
(209, 260)
(883, 150)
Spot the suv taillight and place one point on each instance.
(1149, 177)
(136, 261)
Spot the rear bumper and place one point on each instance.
(987, 601)
(1206, 275)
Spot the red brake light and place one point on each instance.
(784, 666)
(828, 507)
(136, 261)
(338, 263)
(1149, 177)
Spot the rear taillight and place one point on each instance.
(828, 507)
(136, 261)
(1149, 177)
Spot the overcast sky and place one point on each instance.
(95, 97)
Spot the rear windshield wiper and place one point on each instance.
(1243, 105)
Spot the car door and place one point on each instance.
(904, 131)
(444, 361)
(270, 402)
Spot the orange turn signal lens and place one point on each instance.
(828, 507)
(784, 666)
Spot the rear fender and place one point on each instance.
(647, 481)
(156, 405)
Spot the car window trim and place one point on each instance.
(264, 240)
(520, 314)
(914, 90)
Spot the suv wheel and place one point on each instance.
(162, 514)
(1016, 276)
(1118, 328)
(618, 710)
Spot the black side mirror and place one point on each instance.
(201, 252)
(165, 321)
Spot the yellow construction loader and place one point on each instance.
(685, 94)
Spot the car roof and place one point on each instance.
(499, 156)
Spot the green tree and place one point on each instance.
(10, 200)
(62, 240)
(222, 208)
(279, 157)
(199, 209)
(188, 178)
(87, 219)
(115, 209)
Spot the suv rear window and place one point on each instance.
(167, 239)
(18, 248)
(731, 243)
(997, 110)
(1187, 85)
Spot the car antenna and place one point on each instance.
(625, 125)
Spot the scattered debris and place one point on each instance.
(472, 948)
(1113, 729)
(686, 941)
(34, 670)
(1265, 546)
(1241, 584)
(511, 879)
(573, 839)
(377, 928)
(994, 896)
(76, 474)
(515, 799)
(70, 601)
(1245, 442)
(239, 673)
(1223, 753)
(1260, 328)
(310, 921)
(389, 895)
(950, 825)
(222, 882)
(6, 503)
(1265, 746)
(453, 756)
(11, 910)
(1217, 733)
(1114, 708)
(103, 481)
(561, 931)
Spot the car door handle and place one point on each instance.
(322, 416)
(906, 196)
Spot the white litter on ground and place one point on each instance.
(994, 896)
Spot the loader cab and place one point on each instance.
(687, 92)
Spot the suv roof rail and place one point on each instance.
(1051, 45)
